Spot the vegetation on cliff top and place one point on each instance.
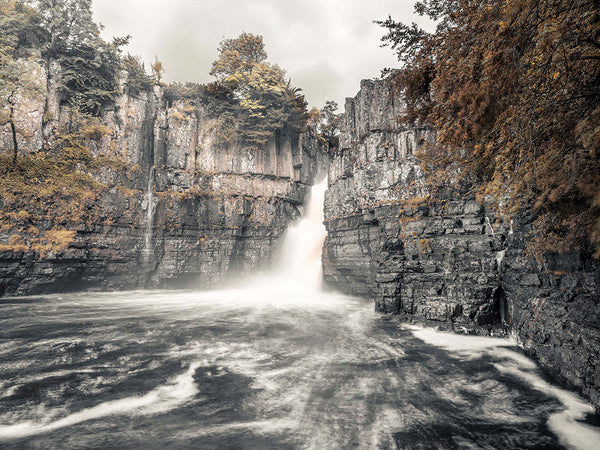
(251, 98)
(328, 123)
(45, 195)
(48, 194)
(513, 90)
(63, 31)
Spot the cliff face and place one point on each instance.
(443, 258)
(183, 212)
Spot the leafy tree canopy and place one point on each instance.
(137, 80)
(68, 24)
(90, 66)
(238, 57)
(251, 97)
(512, 89)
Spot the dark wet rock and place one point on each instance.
(444, 260)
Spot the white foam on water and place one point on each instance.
(459, 342)
(162, 399)
(566, 424)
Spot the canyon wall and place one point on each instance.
(445, 259)
(179, 211)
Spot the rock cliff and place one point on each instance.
(444, 259)
(180, 212)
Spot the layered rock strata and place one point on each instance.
(444, 259)
(186, 212)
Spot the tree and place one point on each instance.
(68, 23)
(512, 89)
(157, 70)
(137, 80)
(18, 75)
(89, 75)
(89, 65)
(329, 124)
(238, 57)
(252, 97)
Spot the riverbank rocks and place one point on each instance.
(444, 259)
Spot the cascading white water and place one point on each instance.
(299, 262)
(149, 197)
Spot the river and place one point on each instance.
(274, 363)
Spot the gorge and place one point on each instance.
(208, 265)
(184, 211)
(443, 262)
(273, 363)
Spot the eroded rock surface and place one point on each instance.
(443, 259)
(186, 212)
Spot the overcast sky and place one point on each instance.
(326, 46)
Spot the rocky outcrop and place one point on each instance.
(183, 213)
(386, 235)
(555, 310)
(445, 259)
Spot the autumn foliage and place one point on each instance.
(251, 97)
(512, 89)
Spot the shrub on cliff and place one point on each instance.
(513, 90)
(137, 78)
(46, 195)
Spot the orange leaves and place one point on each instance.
(252, 97)
(512, 89)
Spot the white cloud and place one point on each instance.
(327, 46)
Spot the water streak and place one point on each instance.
(149, 199)
(567, 424)
(163, 398)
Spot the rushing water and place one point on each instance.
(275, 364)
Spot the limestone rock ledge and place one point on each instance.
(187, 212)
(443, 259)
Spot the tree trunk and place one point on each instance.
(14, 136)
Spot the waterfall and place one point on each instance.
(489, 225)
(299, 261)
(149, 197)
